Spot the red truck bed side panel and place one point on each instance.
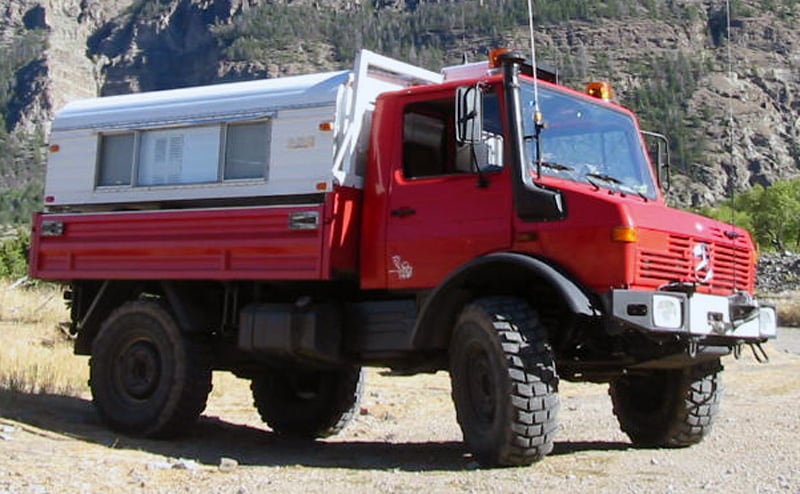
(220, 244)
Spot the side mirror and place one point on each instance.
(658, 149)
(469, 114)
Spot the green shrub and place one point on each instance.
(18, 204)
(771, 214)
(14, 255)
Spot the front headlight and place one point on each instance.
(667, 312)
(767, 321)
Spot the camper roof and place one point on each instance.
(196, 104)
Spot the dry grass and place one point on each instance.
(31, 305)
(35, 356)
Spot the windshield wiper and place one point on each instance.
(604, 178)
(619, 185)
(555, 166)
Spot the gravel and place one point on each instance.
(778, 272)
(406, 439)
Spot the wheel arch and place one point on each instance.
(505, 273)
(93, 301)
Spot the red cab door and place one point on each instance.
(447, 203)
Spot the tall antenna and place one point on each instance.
(537, 114)
(538, 118)
(731, 126)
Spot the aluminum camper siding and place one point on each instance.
(300, 156)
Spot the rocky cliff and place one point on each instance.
(745, 108)
(63, 72)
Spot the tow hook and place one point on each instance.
(691, 349)
(759, 353)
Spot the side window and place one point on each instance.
(246, 150)
(116, 159)
(186, 155)
(429, 141)
(486, 155)
(179, 156)
(423, 144)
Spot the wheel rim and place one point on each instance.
(482, 392)
(304, 388)
(652, 392)
(139, 371)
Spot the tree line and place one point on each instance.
(660, 101)
(422, 35)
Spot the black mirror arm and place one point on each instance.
(663, 168)
(483, 182)
(538, 125)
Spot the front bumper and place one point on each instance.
(739, 318)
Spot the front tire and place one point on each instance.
(308, 404)
(668, 408)
(504, 382)
(148, 379)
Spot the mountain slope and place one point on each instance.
(667, 60)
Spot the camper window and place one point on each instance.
(246, 150)
(116, 159)
(179, 156)
(185, 155)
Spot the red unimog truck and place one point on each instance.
(504, 228)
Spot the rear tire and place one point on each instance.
(308, 404)
(147, 378)
(504, 382)
(668, 408)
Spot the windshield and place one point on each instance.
(586, 141)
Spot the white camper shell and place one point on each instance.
(291, 136)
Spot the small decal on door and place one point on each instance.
(403, 269)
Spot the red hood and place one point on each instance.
(677, 246)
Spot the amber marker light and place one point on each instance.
(494, 57)
(528, 237)
(600, 90)
(326, 126)
(626, 234)
(322, 186)
(54, 148)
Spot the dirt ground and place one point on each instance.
(406, 440)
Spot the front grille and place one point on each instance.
(729, 262)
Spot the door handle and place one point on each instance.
(403, 212)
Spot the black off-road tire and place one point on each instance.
(147, 378)
(504, 382)
(308, 404)
(668, 408)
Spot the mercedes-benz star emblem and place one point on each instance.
(702, 266)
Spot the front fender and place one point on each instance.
(506, 273)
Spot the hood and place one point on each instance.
(677, 247)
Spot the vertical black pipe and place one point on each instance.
(532, 202)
